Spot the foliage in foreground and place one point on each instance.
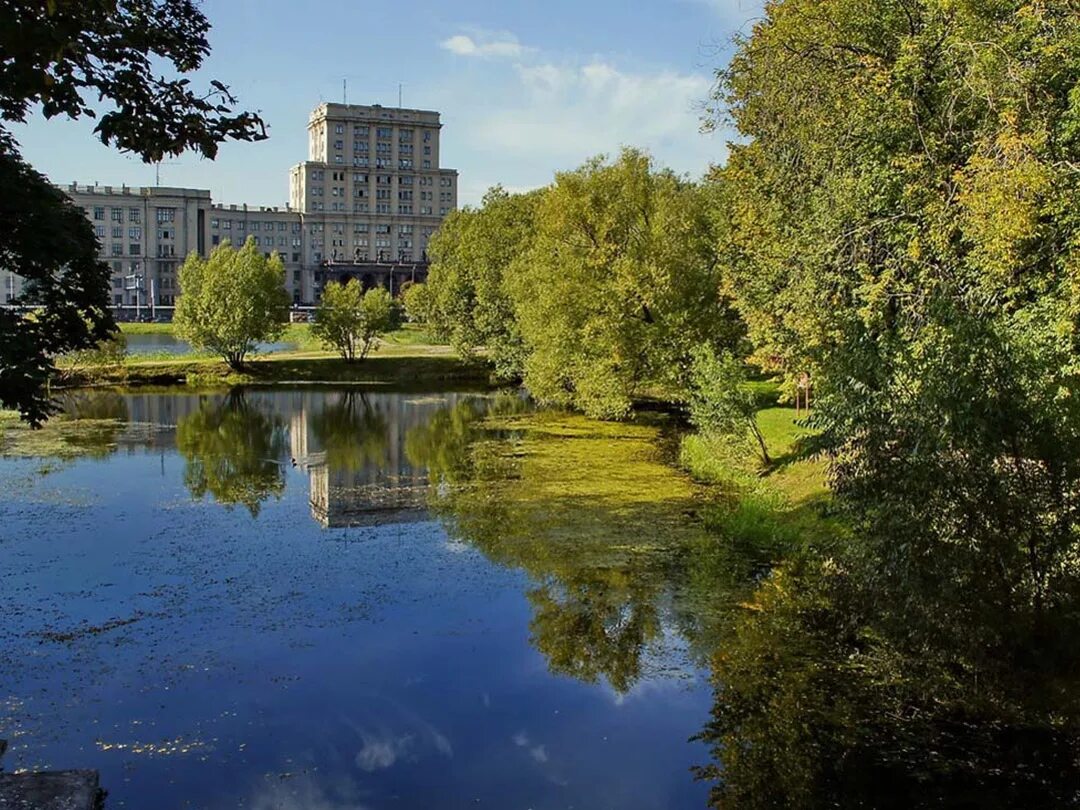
(67, 53)
(231, 301)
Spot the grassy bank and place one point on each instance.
(406, 358)
(771, 506)
(403, 368)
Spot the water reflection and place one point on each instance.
(234, 451)
(838, 681)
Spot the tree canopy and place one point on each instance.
(593, 289)
(76, 58)
(231, 301)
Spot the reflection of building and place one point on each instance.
(351, 445)
(380, 485)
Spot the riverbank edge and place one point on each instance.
(403, 369)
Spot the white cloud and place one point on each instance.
(485, 44)
(567, 113)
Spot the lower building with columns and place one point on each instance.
(364, 205)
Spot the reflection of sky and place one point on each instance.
(272, 663)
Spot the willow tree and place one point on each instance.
(618, 286)
(232, 301)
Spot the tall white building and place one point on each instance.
(363, 205)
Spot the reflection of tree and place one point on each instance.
(826, 697)
(596, 625)
(564, 499)
(446, 442)
(233, 451)
(352, 433)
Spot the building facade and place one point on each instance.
(364, 204)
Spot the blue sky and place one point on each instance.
(525, 88)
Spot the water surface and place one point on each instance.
(160, 343)
(319, 598)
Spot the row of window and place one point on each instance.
(254, 225)
(362, 130)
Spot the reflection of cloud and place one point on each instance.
(380, 754)
(304, 793)
(537, 752)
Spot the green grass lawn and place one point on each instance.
(770, 506)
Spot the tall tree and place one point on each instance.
(904, 227)
(232, 301)
(619, 284)
(72, 58)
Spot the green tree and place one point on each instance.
(351, 320)
(903, 225)
(417, 301)
(620, 282)
(231, 301)
(71, 55)
(721, 404)
(470, 303)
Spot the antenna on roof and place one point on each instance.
(399, 86)
(344, 91)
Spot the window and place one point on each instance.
(405, 135)
(282, 226)
(118, 283)
(117, 249)
(360, 208)
(99, 213)
(296, 227)
(382, 179)
(214, 223)
(404, 229)
(256, 240)
(134, 215)
(240, 225)
(135, 233)
(256, 225)
(382, 208)
(427, 135)
(117, 214)
(338, 159)
(384, 132)
(340, 128)
(99, 230)
(427, 164)
(404, 209)
(227, 225)
(166, 215)
(361, 130)
(360, 162)
(134, 249)
(405, 164)
(215, 239)
(405, 180)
